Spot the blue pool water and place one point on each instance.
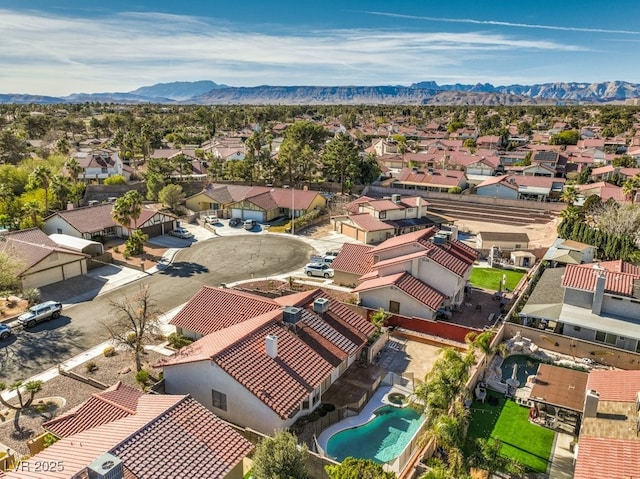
(527, 366)
(381, 439)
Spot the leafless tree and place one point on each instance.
(136, 322)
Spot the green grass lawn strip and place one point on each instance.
(490, 278)
(527, 443)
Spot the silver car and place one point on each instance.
(40, 312)
(318, 269)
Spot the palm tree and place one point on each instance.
(61, 190)
(74, 169)
(127, 209)
(630, 187)
(569, 195)
(31, 209)
(41, 178)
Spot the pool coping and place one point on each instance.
(366, 415)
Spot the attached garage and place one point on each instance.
(252, 215)
(42, 278)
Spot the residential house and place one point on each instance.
(551, 159)
(608, 443)
(430, 179)
(93, 222)
(564, 251)
(352, 262)
(539, 188)
(188, 166)
(389, 216)
(260, 203)
(121, 433)
(604, 190)
(417, 274)
(490, 142)
(265, 364)
(98, 165)
(601, 303)
(504, 241)
(41, 261)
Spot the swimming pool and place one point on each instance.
(381, 439)
(527, 366)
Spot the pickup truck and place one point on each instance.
(326, 259)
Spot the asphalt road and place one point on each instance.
(212, 262)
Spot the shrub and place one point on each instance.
(49, 439)
(131, 337)
(109, 351)
(91, 366)
(142, 377)
(32, 295)
(178, 341)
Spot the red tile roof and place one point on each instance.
(583, 277)
(405, 239)
(110, 405)
(412, 286)
(353, 258)
(213, 309)
(620, 266)
(438, 178)
(600, 458)
(367, 222)
(615, 385)
(354, 206)
(263, 196)
(186, 441)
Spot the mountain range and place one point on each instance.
(207, 92)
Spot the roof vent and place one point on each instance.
(106, 466)
(291, 314)
(321, 305)
(271, 345)
(395, 198)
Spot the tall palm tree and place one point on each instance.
(61, 190)
(41, 178)
(31, 209)
(73, 169)
(630, 187)
(127, 209)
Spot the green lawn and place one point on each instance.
(490, 278)
(527, 443)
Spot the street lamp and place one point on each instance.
(293, 211)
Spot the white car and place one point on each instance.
(180, 232)
(318, 269)
(211, 219)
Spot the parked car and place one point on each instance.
(211, 219)
(250, 224)
(318, 269)
(180, 232)
(39, 313)
(235, 222)
(5, 332)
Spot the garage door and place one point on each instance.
(350, 231)
(236, 213)
(72, 269)
(253, 215)
(42, 278)
(153, 230)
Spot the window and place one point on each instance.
(219, 399)
(59, 231)
(611, 339)
(600, 336)
(383, 215)
(394, 307)
(518, 246)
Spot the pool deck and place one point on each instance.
(365, 415)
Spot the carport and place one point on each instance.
(80, 245)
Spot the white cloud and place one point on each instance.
(41, 53)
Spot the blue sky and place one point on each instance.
(122, 45)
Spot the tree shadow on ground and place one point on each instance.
(184, 269)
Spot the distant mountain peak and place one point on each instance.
(177, 90)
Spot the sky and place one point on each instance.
(52, 49)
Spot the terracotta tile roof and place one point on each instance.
(283, 382)
(31, 235)
(405, 239)
(439, 178)
(200, 445)
(607, 458)
(297, 299)
(401, 259)
(583, 277)
(353, 206)
(619, 266)
(615, 385)
(213, 309)
(107, 406)
(353, 258)
(89, 219)
(367, 222)
(268, 196)
(163, 426)
(450, 256)
(385, 205)
(412, 286)
(561, 387)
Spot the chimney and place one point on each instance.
(419, 205)
(69, 206)
(591, 400)
(598, 292)
(271, 345)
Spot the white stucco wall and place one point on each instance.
(56, 224)
(243, 408)
(379, 298)
(620, 307)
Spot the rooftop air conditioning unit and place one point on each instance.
(291, 314)
(321, 305)
(106, 466)
(395, 198)
(440, 239)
